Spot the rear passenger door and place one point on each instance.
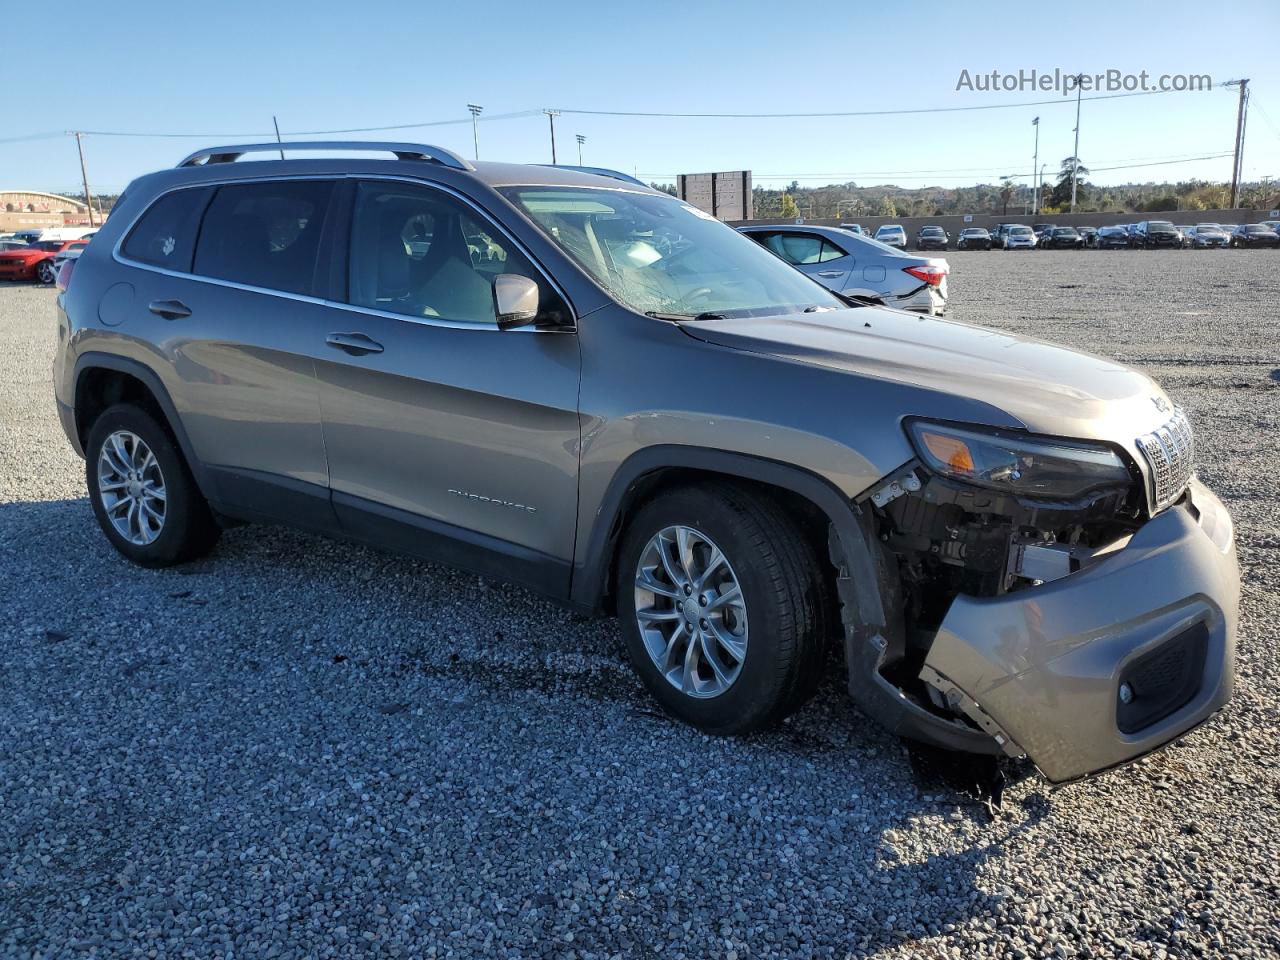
(819, 257)
(239, 312)
(447, 436)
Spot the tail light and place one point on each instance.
(64, 274)
(929, 273)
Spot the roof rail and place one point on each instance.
(598, 171)
(403, 151)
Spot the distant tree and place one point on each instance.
(1061, 195)
(793, 187)
(885, 207)
(788, 208)
(1006, 194)
(665, 187)
(1160, 204)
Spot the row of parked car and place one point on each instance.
(39, 254)
(1148, 234)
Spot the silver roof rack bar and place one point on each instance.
(403, 151)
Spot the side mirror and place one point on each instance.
(515, 300)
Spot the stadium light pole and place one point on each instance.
(1035, 164)
(476, 110)
(581, 141)
(1075, 153)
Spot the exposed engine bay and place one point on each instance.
(944, 538)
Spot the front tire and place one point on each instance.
(142, 491)
(722, 606)
(45, 272)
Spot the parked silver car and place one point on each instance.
(597, 390)
(893, 235)
(1207, 235)
(1019, 237)
(858, 266)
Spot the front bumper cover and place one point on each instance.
(1042, 668)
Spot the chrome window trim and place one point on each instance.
(117, 254)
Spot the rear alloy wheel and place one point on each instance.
(722, 606)
(45, 272)
(142, 491)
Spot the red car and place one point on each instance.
(35, 262)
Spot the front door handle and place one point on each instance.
(831, 273)
(170, 309)
(356, 344)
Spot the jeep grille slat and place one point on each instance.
(1170, 454)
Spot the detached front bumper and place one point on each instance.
(1041, 670)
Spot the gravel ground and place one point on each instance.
(303, 748)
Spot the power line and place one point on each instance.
(270, 134)
(859, 113)
(518, 114)
(34, 136)
(924, 174)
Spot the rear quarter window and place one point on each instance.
(165, 236)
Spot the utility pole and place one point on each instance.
(476, 110)
(1075, 152)
(1035, 163)
(84, 177)
(1243, 84)
(581, 141)
(551, 118)
(276, 124)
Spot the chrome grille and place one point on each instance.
(1170, 455)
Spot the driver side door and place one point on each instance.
(447, 436)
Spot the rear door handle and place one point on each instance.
(170, 309)
(355, 344)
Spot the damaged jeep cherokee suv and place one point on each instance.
(563, 378)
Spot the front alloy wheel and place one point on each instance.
(690, 612)
(44, 272)
(699, 569)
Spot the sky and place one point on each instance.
(221, 71)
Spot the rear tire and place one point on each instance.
(780, 626)
(142, 490)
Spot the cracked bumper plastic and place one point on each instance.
(1043, 666)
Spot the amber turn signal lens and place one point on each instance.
(949, 450)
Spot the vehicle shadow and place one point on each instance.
(899, 861)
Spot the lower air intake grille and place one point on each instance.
(1164, 680)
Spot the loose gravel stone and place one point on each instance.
(301, 748)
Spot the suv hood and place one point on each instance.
(1049, 389)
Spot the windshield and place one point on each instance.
(885, 231)
(657, 254)
(1019, 231)
(1064, 231)
(932, 231)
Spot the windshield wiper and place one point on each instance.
(684, 316)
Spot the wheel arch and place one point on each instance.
(104, 379)
(648, 471)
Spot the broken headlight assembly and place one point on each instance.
(1038, 468)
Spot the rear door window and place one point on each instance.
(165, 236)
(265, 234)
